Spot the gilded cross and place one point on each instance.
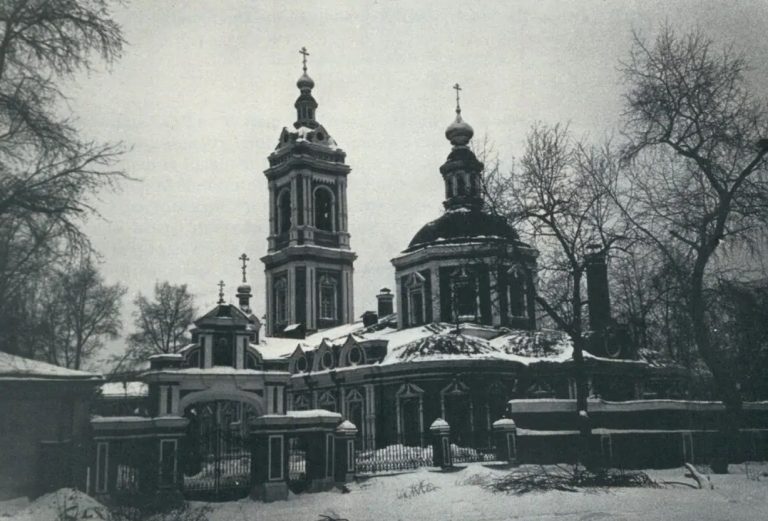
(304, 54)
(457, 88)
(244, 258)
(221, 291)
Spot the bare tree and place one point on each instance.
(696, 147)
(161, 324)
(48, 173)
(46, 170)
(77, 311)
(556, 201)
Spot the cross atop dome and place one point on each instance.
(457, 88)
(244, 259)
(221, 291)
(303, 51)
(459, 132)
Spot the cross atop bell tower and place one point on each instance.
(303, 51)
(308, 265)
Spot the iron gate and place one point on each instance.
(217, 455)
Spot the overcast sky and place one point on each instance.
(205, 87)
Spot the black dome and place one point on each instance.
(459, 226)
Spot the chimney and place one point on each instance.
(370, 318)
(597, 289)
(386, 306)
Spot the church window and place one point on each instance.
(222, 354)
(327, 360)
(301, 364)
(461, 187)
(416, 302)
(355, 356)
(324, 209)
(516, 293)
(284, 211)
(327, 298)
(464, 289)
(281, 302)
(416, 308)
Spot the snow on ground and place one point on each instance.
(431, 495)
(428, 495)
(65, 504)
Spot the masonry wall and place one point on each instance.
(43, 429)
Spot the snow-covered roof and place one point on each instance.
(124, 390)
(14, 367)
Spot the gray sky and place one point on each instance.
(205, 87)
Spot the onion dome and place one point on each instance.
(305, 82)
(459, 132)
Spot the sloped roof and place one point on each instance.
(13, 367)
(223, 314)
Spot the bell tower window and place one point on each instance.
(281, 302)
(324, 209)
(461, 187)
(284, 211)
(328, 295)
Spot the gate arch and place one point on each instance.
(217, 451)
(212, 395)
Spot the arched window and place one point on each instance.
(281, 301)
(327, 298)
(324, 209)
(284, 211)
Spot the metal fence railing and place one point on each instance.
(398, 457)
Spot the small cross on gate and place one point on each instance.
(244, 258)
(303, 51)
(457, 88)
(221, 291)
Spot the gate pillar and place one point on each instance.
(346, 433)
(269, 466)
(505, 440)
(441, 444)
(320, 460)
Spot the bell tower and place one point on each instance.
(309, 263)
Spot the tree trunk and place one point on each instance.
(724, 382)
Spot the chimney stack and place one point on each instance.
(597, 288)
(369, 318)
(386, 306)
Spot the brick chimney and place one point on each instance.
(597, 289)
(369, 318)
(386, 305)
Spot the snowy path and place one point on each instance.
(735, 498)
